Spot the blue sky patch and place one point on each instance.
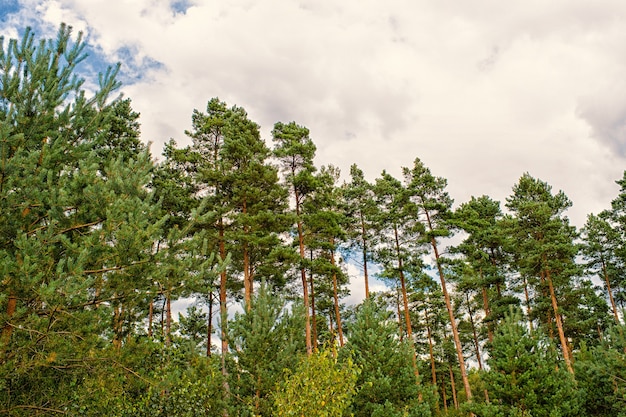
(132, 69)
(8, 7)
(180, 6)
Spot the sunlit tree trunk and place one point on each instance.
(455, 332)
(559, 324)
(336, 296)
(453, 386)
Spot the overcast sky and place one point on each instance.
(481, 91)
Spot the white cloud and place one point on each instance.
(482, 92)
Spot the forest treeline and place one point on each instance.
(495, 309)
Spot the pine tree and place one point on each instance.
(385, 386)
(360, 207)
(394, 242)
(210, 172)
(174, 186)
(483, 248)
(600, 248)
(396, 251)
(546, 251)
(325, 225)
(433, 207)
(295, 151)
(267, 341)
(259, 201)
(600, 375)
(78, 222)
(524, 377)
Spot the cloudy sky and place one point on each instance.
(481, 91)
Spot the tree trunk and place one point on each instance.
(150, 318)
(400, 327)
(305, 290)
(331, 328)
(486, 308)
(455, 332)
(223, 300)
(168, 317)
(336, 296)
(364, 240)
(313, 311)
(445, 396)
(528, 310)
(246, 277)
(118, 312)
(608, 288)
(209, 326)
(405, 298)
(559, 323)
(546, 294)
(247, 281)
(433, 369)
(163, 314)
(7, 330)
(476, 344)
(407, 316)
(223, 313)
(453, 386)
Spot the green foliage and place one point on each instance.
(601, 375)
(267, 340)
(525, 377)
(319, 386)
(483, 249)
(193, 326)
(386, 385)
(543, 244)
(190, 390)
(77, 224)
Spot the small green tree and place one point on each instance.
(386, 386)
(320, 386)
(525, 377)
(267, 339)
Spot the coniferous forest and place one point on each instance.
(492, 308)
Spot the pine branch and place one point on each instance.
(8, 411)
(115, 268)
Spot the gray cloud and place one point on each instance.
(606, 115)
